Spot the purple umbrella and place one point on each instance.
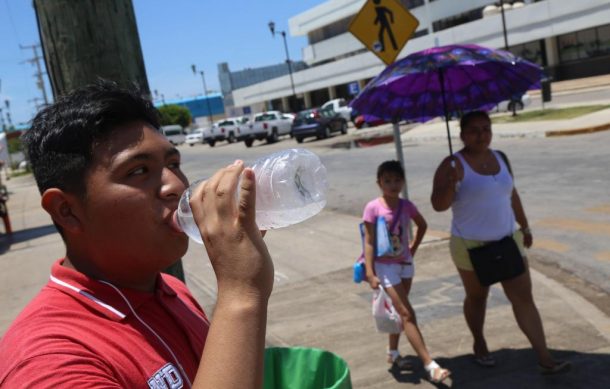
(447, 80)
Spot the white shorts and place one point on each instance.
(391, 274)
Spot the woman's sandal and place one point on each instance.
(485, 360)
(437, 374)
(558, 367)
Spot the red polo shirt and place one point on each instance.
(82, 333)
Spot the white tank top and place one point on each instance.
(482, 207)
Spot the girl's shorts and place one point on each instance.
(391, 274)
(459, 249)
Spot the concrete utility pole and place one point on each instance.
(87, 39)
(39, 73)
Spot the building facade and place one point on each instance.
(570, 39)
(230, 81)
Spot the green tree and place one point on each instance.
(14, 145)
(175, 114)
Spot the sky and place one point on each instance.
(173, 34)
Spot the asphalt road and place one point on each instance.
(564, 183)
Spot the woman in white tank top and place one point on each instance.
(477, 184)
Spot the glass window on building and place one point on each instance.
(587, 43)
(603, 34)
(568, 47)
(337, 28)
(456, 20)
(410, 4)
(531, 51)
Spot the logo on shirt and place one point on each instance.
(166, 377)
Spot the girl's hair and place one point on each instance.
(391, 166)
(470, 116)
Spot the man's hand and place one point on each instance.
(244, 272)
(234, 244)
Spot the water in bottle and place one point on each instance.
(291, 187)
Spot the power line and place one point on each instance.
(39, 73)
(10, 18)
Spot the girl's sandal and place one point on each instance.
(400, 362)
(558, 367)
(437, 374)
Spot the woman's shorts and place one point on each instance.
(459, 249)
(391, 274)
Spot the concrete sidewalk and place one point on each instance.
(333, 313)
(327, 310)
(436, 130)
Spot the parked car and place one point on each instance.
(519, 102)
(340, 106)
(174, 133)
(199, 135)
(365, 121)
(268, 125)
(227, 129)
(317, 122)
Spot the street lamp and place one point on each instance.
(288, 62)
(205, 91)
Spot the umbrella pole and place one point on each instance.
(442, 82)
(399, 155)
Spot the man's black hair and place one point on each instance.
(470, 116)
(390, 167)
(63, 135)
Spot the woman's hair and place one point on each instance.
(390, 167)
(470, 116)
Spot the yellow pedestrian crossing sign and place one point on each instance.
(384, 27)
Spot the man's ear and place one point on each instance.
(63, 208)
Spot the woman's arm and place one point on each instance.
(447, 175)
(422, 226)
(528, 239)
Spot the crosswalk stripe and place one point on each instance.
(604, 208)
(603, 256)
(576, 225)
(551, 245)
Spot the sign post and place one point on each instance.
(384, 27)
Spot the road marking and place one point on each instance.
(577, 225)
(279, 277)
(551, 245)
(583, 308)
(604, 208)
(435, 234)
(603, 256)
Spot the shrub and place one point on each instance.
(175, 114)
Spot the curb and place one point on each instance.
(584, 130)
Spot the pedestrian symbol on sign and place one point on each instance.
(384, 26)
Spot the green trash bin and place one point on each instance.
(304, 368)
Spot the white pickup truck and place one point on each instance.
(268, 125)
(341, 107)
(229, 129)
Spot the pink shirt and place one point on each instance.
(400, 234)
(81, 333)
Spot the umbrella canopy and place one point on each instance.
(445, 80)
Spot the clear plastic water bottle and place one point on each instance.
(291, 187)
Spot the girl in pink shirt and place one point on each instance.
(394, 271)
